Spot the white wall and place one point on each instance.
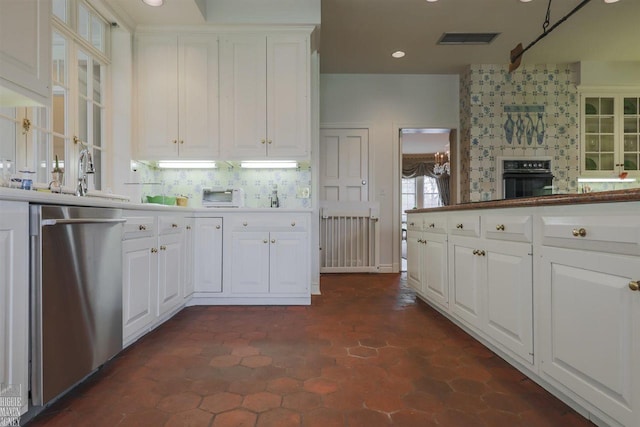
(385, 103)
(263, 12)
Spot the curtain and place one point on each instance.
(414, 165)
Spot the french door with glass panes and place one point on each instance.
(80, 58)
(610, 135)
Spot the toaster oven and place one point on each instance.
(221, 198)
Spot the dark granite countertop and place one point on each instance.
(629, 195)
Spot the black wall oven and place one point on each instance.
(526, 178)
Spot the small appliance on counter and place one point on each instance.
(220, 198)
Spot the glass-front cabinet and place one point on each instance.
(610, 135)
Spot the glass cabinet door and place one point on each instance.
(631, 133)
(599, 135)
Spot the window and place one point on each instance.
(80, 67)
(419, 192)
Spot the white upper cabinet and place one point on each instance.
(25, 52)
(177, 96)
(264, 86)
(610, 135)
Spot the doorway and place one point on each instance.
(426, 168)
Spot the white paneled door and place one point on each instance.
(344, 165)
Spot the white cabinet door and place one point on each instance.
(250, 262)
(140, 284)
(589, 321)
(208, 255)
(14, 298)
(169, 272)
(434, 276)
(288, 107)
(414, 260)
(264, 88)
(509, 296)
(288, 262)
(243, 91)
(157, 96)
(25, 48)
(177, 96)
(188, 259)
(198, 96)
(466, 272)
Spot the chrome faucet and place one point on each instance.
(85, 167)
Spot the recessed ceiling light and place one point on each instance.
(525, 1)
(153, 3)
(610, 1)
(398, 54)
(432, 1)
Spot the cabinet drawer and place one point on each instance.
(613, 233)
(170, 224)
(270, 222)
(435, 224)
(139, 226)
(515, 228)
(415, 222)
(464, 225)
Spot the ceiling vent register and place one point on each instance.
(467, 38)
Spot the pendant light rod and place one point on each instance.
(516, 54)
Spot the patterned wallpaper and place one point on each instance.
(257, 183)
(533, 111)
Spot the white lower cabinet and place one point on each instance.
(208, 256)
(14, 301)
(269, 258)
(153, 271)
(188, 259)
(492, 279)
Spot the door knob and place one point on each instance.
(634, 285)
(364, 182)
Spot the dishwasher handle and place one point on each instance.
(66, 221)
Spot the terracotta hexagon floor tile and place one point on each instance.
(262, 401)
(245, 351)
(372, 342)
(221, 402)
(423, 402)
(190, 418)
(235, 418)
(179, 402)
(493, 417)
(384, 401)
(144, 418)
(279, 417)
(209, 386)
(362, 352)
(344, 400)
(284, 385)
(225, 361)
(432, 386)
(323, 417)
(302, 401)
(256, 361)
(506, 402)
(246, 387)
(367, 418)
(411, 418)
(454, 418)
(320, 386)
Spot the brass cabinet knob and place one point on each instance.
(579, 232)
(293, 223)
(481, 253)
(500, 227)
(142, 227)
(262, 141)
(244, 223)
(174, 225)
(460, 226)
(273, 240)
(269, 141)
(419, 240)
(175, 141)
(181, 142)
(163, 248)
(188, 227)
(154, 250)
(412, 224)
(265, 241)
(634, 285)
(432, 225)
(475, 252)
(218, 227)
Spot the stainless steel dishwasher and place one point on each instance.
(76, 295)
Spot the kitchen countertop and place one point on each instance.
(630, 195)
(13, 194)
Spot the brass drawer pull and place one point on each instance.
(174, 225)
(581, 232)
(634, 285)
(412, 224)
(500, 227)
(163, 248)
(460, 226)
(188, 227)
(273, 240)
(265, 241)
(293, 223)
(432, 225)
(154, 250)
(142, 227)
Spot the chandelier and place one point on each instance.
(441, 166)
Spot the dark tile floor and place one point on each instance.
(365, 353)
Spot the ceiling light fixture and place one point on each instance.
(154, 3)
(611, 1)
(431, 1)
(398, 54)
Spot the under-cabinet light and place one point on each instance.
(154, 3)
(606, 180)
(186, 164)
(269, 164)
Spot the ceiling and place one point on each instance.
(358, 36)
